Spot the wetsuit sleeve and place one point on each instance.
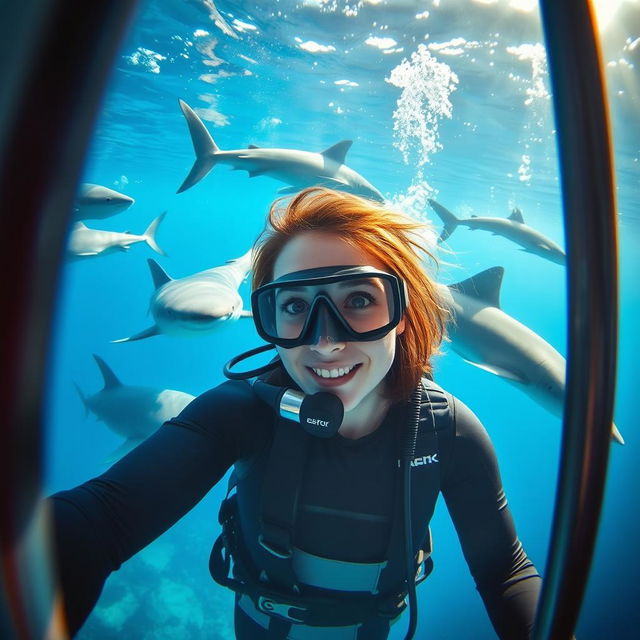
(103, 522)
(505, 577)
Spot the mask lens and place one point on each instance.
(365, 305)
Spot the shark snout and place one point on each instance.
(174, 321)
(118, 202)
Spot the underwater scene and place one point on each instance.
(442, 109)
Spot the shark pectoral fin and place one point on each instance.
(288, 190)
(122, 450)
(245, 314)
(253, 146)
(88, 253)
(498, 371)
(616, 435)
(124, 247)
(147, 333)
(338, 151)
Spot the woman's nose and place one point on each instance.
(326, 344)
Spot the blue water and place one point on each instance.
(452, 105)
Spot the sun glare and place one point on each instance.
(605, 10)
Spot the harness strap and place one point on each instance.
(282, 485)
(434, 415)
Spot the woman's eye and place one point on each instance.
(359, 300)
(294, 307)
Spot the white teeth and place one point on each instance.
(332, 373)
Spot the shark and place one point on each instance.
(487, 337)
(197, 304)
(86, 242)
(513, 228)
(132, 412)
(95, 202)
(299, 169)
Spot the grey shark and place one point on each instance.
(299, 169)
(95, 202)
(86, 242)
(513, 228)
(197, 304)
(132, 412)
(485, 336)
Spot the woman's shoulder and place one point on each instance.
(440, 403)
(231, 404)
(462, 418)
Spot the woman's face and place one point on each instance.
(364, 364)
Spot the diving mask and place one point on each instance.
(339, 303)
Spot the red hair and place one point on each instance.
(390, 237)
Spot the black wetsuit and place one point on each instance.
(343, 513)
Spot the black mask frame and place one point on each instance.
(323, 312)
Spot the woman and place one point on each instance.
(315, 526)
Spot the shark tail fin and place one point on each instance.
(449, 219)
(83, 398)
(150, 234)
(203, 145)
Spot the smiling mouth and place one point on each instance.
(337, 374)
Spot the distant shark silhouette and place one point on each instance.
(196, 304)
(300, 169)
(86, 242)
(132, 412)
(513, 228)
(95, 202)
(488, 338)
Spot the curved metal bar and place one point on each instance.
(61, 52)
(590, 225)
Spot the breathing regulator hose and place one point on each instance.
(410, 452)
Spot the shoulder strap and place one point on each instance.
(435, 416)
(280, 493)
(441, 410)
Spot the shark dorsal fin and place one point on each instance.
(516, 216)
(110, 379)
(338, 151)
(253, 146)
(484, 286)
(158, 274)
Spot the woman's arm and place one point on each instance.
(103, 522)
(505, 577)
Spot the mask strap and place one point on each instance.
(244, 375)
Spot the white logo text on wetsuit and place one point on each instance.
(422, 460)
